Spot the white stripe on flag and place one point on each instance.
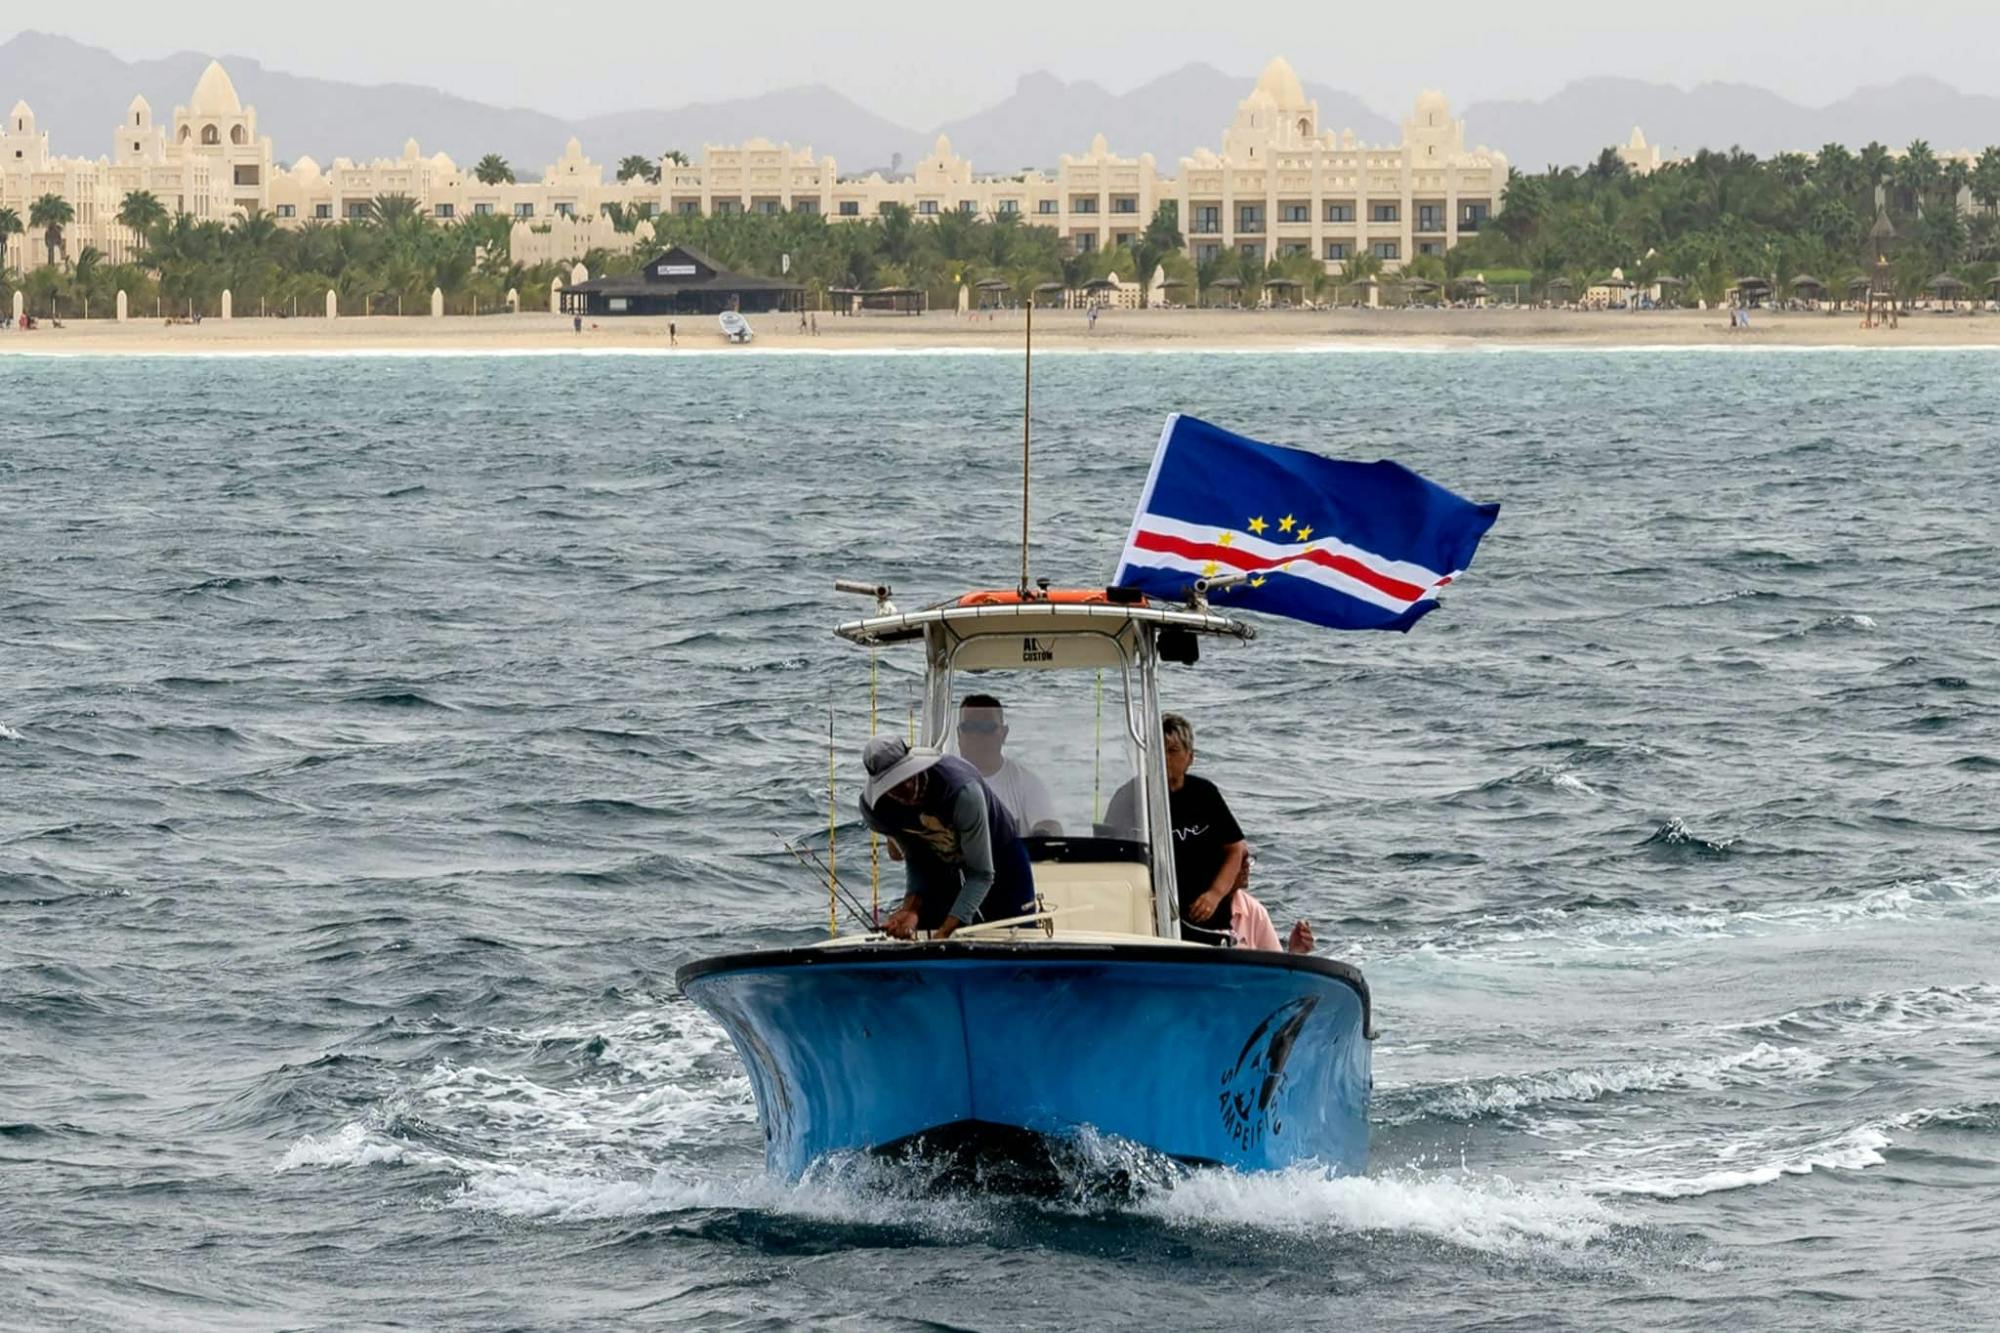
(1287, 548)
(1304, 569)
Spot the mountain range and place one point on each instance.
(79, 94)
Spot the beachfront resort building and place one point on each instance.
(1279, 184)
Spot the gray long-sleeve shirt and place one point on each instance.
(933, 858)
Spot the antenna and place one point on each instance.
(1027, 409)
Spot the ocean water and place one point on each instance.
(378, 735)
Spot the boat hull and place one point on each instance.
(1247, 1059)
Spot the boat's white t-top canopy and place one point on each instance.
(1054, 697)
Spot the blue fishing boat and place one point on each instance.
(1092, 1011)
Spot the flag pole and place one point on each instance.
(1027, 408)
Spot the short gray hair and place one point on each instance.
(1177, 728)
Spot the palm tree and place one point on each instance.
(1835, 170)
(636, 166)
(1917, 173)
(675, 156)
(1956, 179)
(1986, 179)
(140, 212)
(1359, 268)
(493, 170)
(1875, 162)
(10, 226)
(389, 211)
(52, 213)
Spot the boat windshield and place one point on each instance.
(1055, 746)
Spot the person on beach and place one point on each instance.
(963, 860)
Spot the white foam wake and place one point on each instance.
(1474, 1098)
(1741, 1165)
(350, 1145)
(1487, 1213)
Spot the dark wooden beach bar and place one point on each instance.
(680, 281)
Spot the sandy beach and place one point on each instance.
(1115, 330)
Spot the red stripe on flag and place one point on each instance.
(1168, 544)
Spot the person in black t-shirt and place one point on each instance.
(1210, 855)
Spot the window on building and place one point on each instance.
(1206, 252)
(1083, 203)
(769, 207)
(482, 210)
(690, 208)
(357, 208)
(445, 211)
(968, 206)
(210, 134)
(1295, 212)
(1010, 207)
(1388, 250)
(1292, 249)
(524, 210)
(1086, 241)
(850, 208)
(322, 211)
(565, 209)
(1339, 251)
(135, 145)
(1430, 217)
(1385, 212)
(1430, 247)
(1125, 204)
(1251, 250)
(1474, 217)
(1045, 206)
(805, 206)
(1250, 217)
(237, 135)
(1207, 219)
(927, 208)
(648, 210)
(287, 210)
(1124, 237)
(728, 208)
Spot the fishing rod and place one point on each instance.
(818, 869)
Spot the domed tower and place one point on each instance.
(216, 125)
(1277, 113)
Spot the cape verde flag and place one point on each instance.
(1345, 545)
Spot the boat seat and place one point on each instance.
(1110, 896)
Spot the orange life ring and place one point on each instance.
(1053, 597)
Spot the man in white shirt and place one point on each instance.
(982, 736)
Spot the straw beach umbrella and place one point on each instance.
(1288, 286)
(1945, 287)
(1230, 285)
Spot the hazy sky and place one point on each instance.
(922, 63)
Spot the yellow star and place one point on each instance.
(1257, 582)
(1305, 534)
(1285, 523)
(1209, 570)
(1285, 568)
(1257, 526)
(1223, 539)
